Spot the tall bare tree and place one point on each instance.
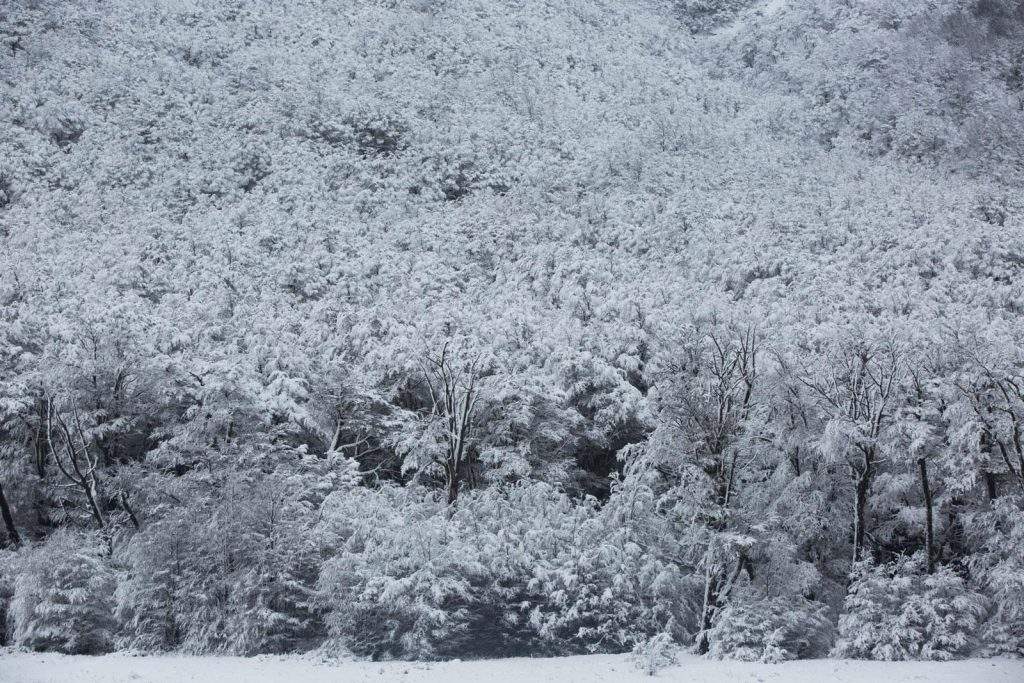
(856, 392)
(708, 394)
(71, 452)
(453, 394)
(993, 388)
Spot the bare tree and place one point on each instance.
(453, 400)
(69, 449)
(922, 413)
(708, 397)
(856, 392)
(995, 395)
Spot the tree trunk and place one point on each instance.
(929, 537)
(990, 486)
(5, 510)
(126, 506)
(453, 484)
(41, 441)
(708, 612)
(97, 514)
(794, 459)
(41, 445)
(860, 514)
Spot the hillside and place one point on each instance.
(268, 268)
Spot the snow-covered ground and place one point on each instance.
(47, 668)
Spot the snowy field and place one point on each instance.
(49, 668)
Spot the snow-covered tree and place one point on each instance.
(63, 596)
(900, 611)
(771, 630)
(424, 327)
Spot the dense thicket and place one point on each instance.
(452, 328)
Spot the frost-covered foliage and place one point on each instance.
(898, 611)
(516, 570)
(922, 82)
(394, 587)
(431, 329)
(8, 572)
(771, 630)
(655, 653)
(63, 596)
(704, 15)
(999, 567)
(237, 575)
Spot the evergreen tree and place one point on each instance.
(63, 596)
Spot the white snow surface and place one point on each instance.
(20, 667)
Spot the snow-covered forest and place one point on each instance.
(432, 329)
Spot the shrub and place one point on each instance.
(897, 611)
(521, 569)
(655, 653)
(771, 630)
(998, 567)
(63, 596)
(8, 560)
(397, 584)
(235, 576)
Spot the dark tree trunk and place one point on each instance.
(990, 479)
(5, 510)
(41, 441)
(126, 506)
(453, 485)
(929, 535)
(41, 445)
(990, 486)
(860, 513)
(708, 614)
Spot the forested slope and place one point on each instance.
(441, 328)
